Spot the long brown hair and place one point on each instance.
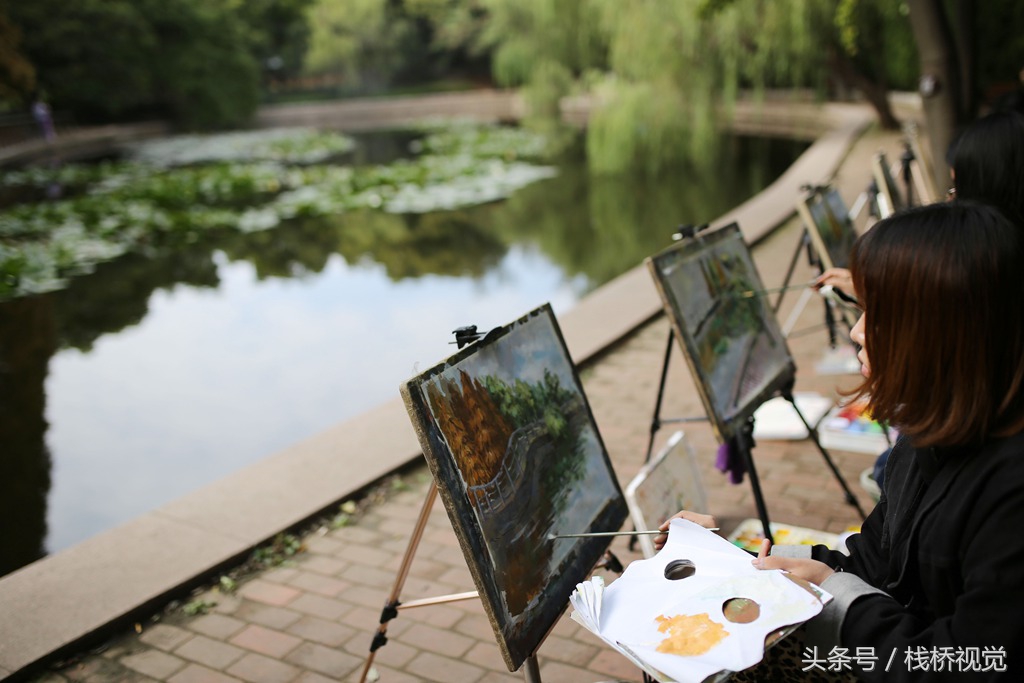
(943, 294)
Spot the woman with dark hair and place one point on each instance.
(933, 585)
(938, 563)
(987, 163)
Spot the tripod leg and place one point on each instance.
(531, 670)
(745, 442)
(391, 607)
(656, 420)
(789, 271)
(850, 498)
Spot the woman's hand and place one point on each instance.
(806, 569)
(837, 277)
(706, 521)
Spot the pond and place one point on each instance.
(184, 359)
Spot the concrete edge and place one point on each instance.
(67, 599)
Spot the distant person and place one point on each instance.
(44, 119)
(936, 573)
(986, 165)
(1013, 100)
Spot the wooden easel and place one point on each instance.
(745, 442)
(530, 666)
(393, 604)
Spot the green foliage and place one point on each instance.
(115, 208)
(277, 552)
(638, 123)
(524, 403)
(17, 75)
(876, 36)
(197, 607)
(195, 62)
(91, 56)
(364, 40)
(192, 37)
(276, 33)
(665, 71)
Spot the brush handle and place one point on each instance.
(653, 532)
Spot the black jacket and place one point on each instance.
(935, 579)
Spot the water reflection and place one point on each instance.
(166, 370)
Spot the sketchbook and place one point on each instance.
(713, 621)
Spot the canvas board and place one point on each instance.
(828, 222)
(732, 342)
(890, 197)
(670, 482)
(921, 167)
(509, 437)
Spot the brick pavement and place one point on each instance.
(311, 619)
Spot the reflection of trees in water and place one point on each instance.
(116, 295)
(735, 319)
(601, 226)
(28, 338)
(454, 243)
(32, 329)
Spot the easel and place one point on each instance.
(741, 438)
(530, 667)
(745, 442)
(815, 261)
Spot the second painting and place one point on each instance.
(714, 298)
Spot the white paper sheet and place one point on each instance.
(625, 613)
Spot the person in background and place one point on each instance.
(986, 165)
(938, 568)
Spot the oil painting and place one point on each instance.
(828, 222)
(714, 299)
(517, 458)
(889, 198)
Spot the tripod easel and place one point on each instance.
(744, 441)
(735, 430)
(821, 262)
(527, 664)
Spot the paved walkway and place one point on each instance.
(311, 619)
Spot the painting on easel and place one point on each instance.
(828, 222)
(713, 296)
(510, 440)
(889, 199)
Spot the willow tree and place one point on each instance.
(666, 71)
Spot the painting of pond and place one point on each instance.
(509, 437)
(215, 313)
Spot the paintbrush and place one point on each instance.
(750, 293)
(653, 532)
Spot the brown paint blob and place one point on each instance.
(741, 610)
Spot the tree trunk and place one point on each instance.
(964, 37)
(877, 94)
(940, 84)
